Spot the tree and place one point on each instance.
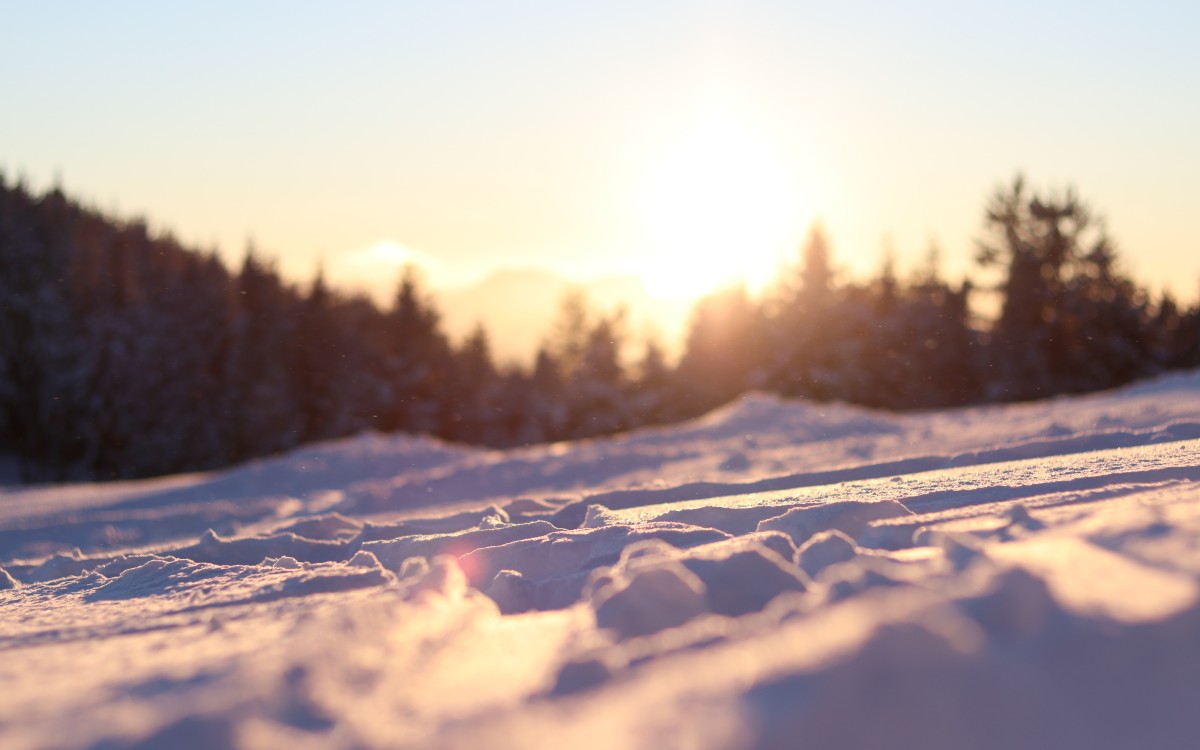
(316, 354)
(1060, 282)
(654, 388)
(472, 394)
(416, 358)
(804, 347)
(569, 331)
(597, 391)
(41, 353)
(265, 417)
(546, 409)
(724, 351)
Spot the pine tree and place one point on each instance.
(472, 394)
(317, 351)
(40, 348)
(654, 388)
(1060, 283)
(417, 356)
(546, 409)
(598, 399)
(724, 351)
(803, 345)
(265, 418)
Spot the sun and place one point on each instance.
(718, 207)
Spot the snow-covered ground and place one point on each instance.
(775, 575)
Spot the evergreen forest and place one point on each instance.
(125, 354)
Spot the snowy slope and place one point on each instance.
(774, 575)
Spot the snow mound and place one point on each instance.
(851, 517)
(776, 573)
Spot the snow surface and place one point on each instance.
(774, 575)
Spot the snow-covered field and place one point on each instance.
(775, 575)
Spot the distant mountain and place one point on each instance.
(519, 306)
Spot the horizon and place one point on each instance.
(518, 306)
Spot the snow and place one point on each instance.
(774, 575)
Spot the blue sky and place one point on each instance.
(482, 135)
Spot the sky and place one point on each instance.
(691, 143)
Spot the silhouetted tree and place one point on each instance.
(264, 419)
(1060, 281)
(40, 351)
(724, 350)
(597, 391)
(472, 394)
(803, 341)
(417, 356)
(123, 353)
(546, 399)
(654, 388)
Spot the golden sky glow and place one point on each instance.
(689, 142)
(718, 206)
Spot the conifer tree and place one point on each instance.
(416, 357)
(472, 394)
(724, 350)
(264, 398)
(802, 342)
(546, 401)
(653, 396)
(1060, 280)
(40, 350)
(597, 391)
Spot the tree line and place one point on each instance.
(125, 354)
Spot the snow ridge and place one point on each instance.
(996, 577)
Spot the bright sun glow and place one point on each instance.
(376, 269)
(719, 207)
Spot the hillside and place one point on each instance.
(775, 573)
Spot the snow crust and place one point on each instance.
(774, 575)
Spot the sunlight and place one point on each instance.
(388, 253)
(719, 207)
(375, 269)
